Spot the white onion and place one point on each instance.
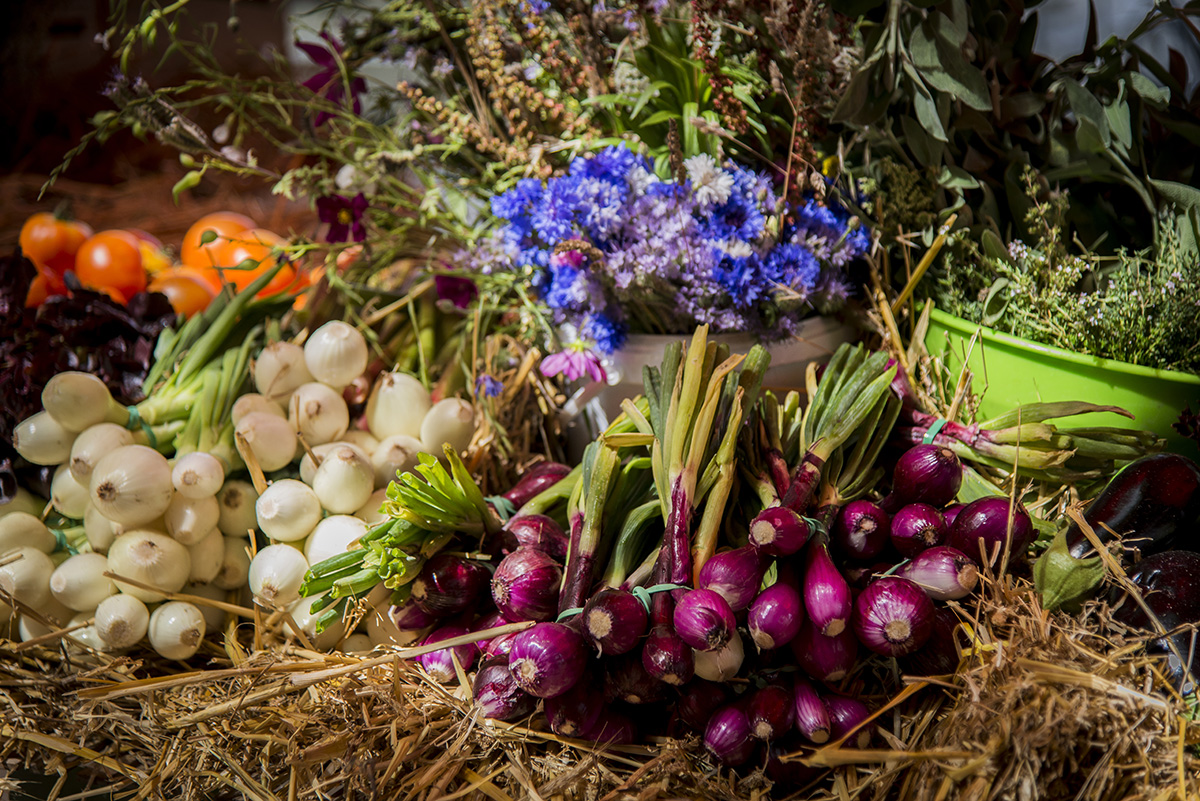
(357, 644)
(70, 498)
(382, 629)
(288, 510)
(723, 664)
(53, 611)
(25, 575)
(121, 621)
(87, 636)
(214, 617)
(363, 439)
(176, 630)
(279, 369)
(198, 475)
(79, 582)
(93, 444)
(308, 468)
(190, 520)
(235, 566)
(276, 573)
(395, 454)
(397, 405)
(207, 555)
(23, 501)
(132, 485)
(333, 536)
(336, 354)
(451, 421)
(18, 529)
(150, 558)
(81, 400)
(318, 413)
(237, 499)
(372, 512)
(306, 620)
(99, 529)
(270, 438)
(253, 402)
(344, 480)
(42, 440)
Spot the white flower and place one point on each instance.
(220, 134)
(639, 179)
(710, 182)
(348, 178)
(737, 249)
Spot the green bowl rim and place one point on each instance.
(966, 328)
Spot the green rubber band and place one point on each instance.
(566, 613)
(643, 593)
(135, 421)
(61, 543)
(932, 433)
(505, 508)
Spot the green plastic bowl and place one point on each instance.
(1010, 371)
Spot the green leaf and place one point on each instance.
(996, 302)
(189, 181)
(1148, 90)
(1117, 113)
(927, 115)
(956, 178)
(854, 100)
(1093, 134)
(659, 117)
(942, 65)
(1183, 196)
(927, 149)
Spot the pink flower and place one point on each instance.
(574, 362)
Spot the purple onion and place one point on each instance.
(698, 700)
(410, 617)
(440, 664)
(986, 522)
(735, 575)
(614, 621)
(824, 658)
(845, 714)
(525, 585)
(929, 474)
(951, 512)
(859, 576)
(498, 646)
(916, 527)
(944, 573)
(728, 737)
(811, 714)
(448, 585)
(793, 773)
(611, 728)
(892, 616)
(489, 621)
(775, 616)
(827, 599)
(861, 530)
(939, 655)
(626, 680)
(704, 620)
(576, 711)
(771, 712)
(498, 695)
(537, 479)
(778, 531)
(534, 531)
(548, 659)
(668, 658)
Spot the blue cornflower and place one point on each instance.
(488, 386)
(608, 333)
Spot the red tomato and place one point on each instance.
(52, 243)
(185, 288)
(194, 252)
(111, 260)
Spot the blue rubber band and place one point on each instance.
(135, 421)
(932, 433)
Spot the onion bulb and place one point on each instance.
(394, 454)
(132, 485)
(397, 405)
(253, 402)
(308, 468)
(94, 443)
(238, 516)
(79, 401)
(723, 664)
(100, 531)
(42, 440)
(18, 529)
(318, 413)
(344, 480)
(22, 501)
(279, 369)
(336, 353)
(198, 475)
(150, 558)
(276, 573)
(176, 630)
(271, 439)
(79, 582)
(25, 575)
(301, 612)
(372, 512)
(333, 536)
(70, 498)
(451, 421)
(190, 520)
(288, 510)
(121, 621)
(235, 565)
(362, 439)
(214, 617)
(207, 555)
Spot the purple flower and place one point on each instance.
(330, 81)
(459, 291)
(488, 386)
(344, 216)
(575, 361)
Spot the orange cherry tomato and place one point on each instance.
(111, 260)
(154, 254)
(185, 288)
(52, 243)
(39, 290)
(248, 255)
(194, 252)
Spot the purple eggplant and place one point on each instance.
(1169, 583)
